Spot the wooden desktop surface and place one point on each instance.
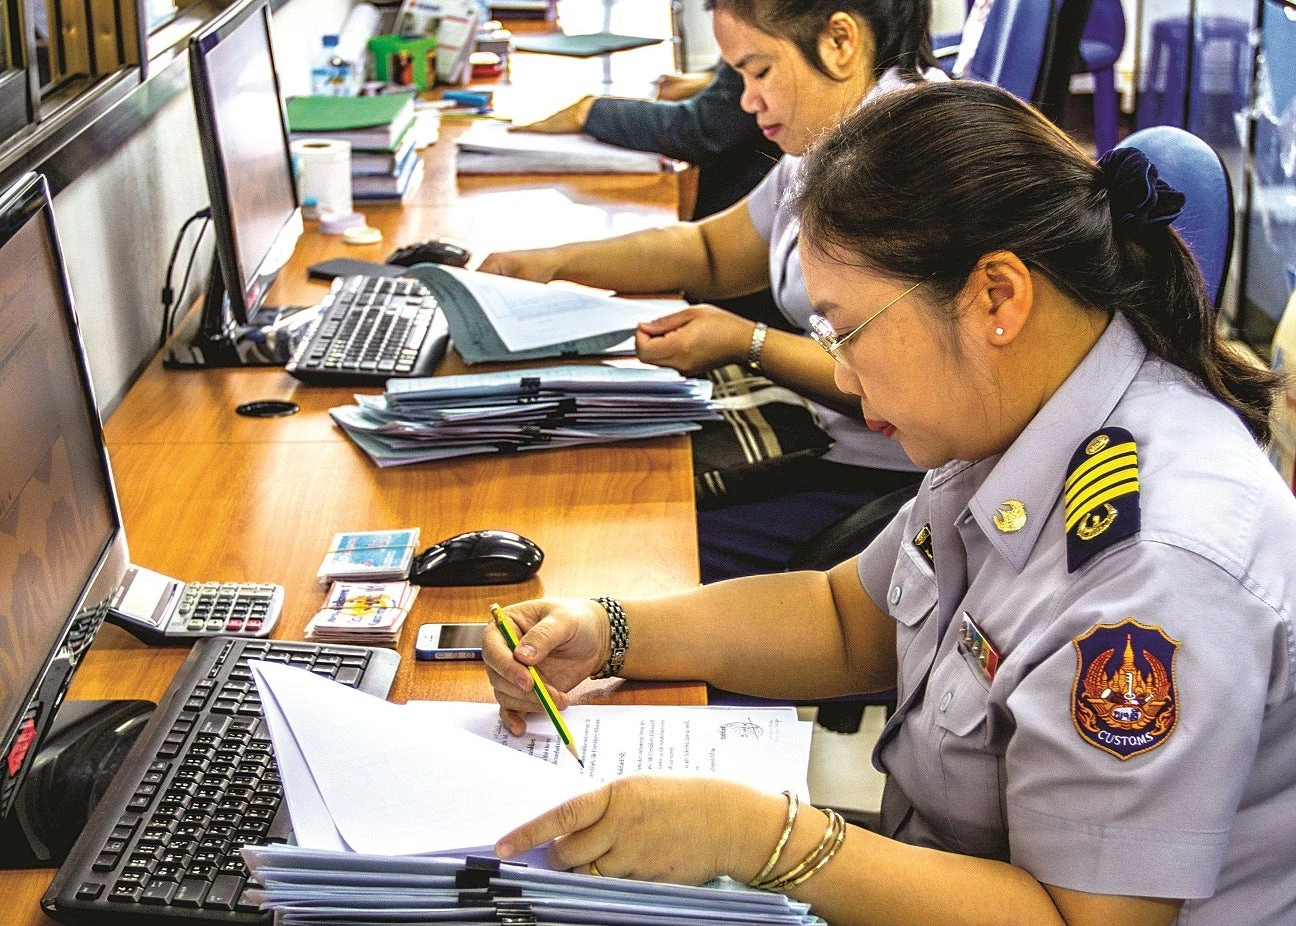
(206, 494)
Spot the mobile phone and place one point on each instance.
(449, 641)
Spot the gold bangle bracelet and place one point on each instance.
(793, 804)
(797, 870)
(837, 844)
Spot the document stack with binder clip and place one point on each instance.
(438, 417)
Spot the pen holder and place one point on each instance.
(409, 61)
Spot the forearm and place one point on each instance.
(657, 260)
(797, 362)
(797, 635)
(874, 880)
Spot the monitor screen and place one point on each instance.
(62, 549)
(246, 152)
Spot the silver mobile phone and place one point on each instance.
(449, 641)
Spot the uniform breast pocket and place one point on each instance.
(911, 597)
(970, 763)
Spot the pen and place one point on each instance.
(546, 701)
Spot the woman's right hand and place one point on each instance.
(567, 640)
(539, 264)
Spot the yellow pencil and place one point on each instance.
(546, 701)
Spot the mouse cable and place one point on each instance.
(168, 295)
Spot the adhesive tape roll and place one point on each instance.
(362, 235)
(323, 175)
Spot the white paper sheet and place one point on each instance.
(394, 782)
(766, 748)
(527, 315)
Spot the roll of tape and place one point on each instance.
(323, 175)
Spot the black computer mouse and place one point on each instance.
(435, 251)
(477, 558)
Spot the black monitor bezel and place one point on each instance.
(226, 245)
(28, 199)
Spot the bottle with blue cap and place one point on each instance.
(331, 75)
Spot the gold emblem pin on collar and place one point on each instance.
(1011, 516)
(1098, 443)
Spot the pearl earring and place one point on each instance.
(999, 331)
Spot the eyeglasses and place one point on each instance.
(827, 337)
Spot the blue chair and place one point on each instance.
(1178, 51)
(1015, 46)
(1192, 167)
(1100, 46)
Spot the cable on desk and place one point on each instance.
(171, 298)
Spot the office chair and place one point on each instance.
(1191, 166)
(1016, 47)
(1100, 47)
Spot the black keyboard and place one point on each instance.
(198, 785)
(369, 330)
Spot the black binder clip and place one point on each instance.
(529, 389)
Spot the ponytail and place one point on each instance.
(925, 181)
(901, 28)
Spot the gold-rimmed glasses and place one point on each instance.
(827, 337)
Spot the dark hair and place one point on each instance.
(924, 181)
(901, 28)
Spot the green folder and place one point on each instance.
(580, 46)
(340, 113)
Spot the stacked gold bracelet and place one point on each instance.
(808, 867)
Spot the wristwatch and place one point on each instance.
(757, 345)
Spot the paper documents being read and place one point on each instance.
(766, 748)
(527, 315)
(368, 776)
(360, 773)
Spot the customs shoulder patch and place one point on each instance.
(923, 541)
(1101, 495)
(1124, 701)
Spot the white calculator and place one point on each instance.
(160, 609)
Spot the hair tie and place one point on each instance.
(1139, 199)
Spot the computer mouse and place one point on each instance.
(477, 558)
(435, 251)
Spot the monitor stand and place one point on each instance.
(214, 338)
(77, 760)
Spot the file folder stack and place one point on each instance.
(435, 418)
(312, 886)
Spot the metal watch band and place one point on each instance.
(757, 345)
(620, 638)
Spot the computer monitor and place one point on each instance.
(62, 546)
(246, 155)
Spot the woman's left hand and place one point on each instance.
(566, 121)
(694, 340)
(682, 830)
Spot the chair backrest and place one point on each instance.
(1015, 46)
(1106, 24)
(1193, 168)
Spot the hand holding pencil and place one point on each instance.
(507, 630)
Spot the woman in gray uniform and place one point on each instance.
(1087, 610)
(805, 66)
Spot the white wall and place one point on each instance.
(118, 220)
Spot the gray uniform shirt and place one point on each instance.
(766, 205)
(1200, 804)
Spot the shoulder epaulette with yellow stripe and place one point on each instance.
(1101, 495)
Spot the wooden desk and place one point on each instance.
(206, 494)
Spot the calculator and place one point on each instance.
(161, 610)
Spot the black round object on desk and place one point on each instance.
(268, 408)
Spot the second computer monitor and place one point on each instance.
(246, 154)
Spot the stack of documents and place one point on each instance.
(434, 418)
(303, 887)
(401, 852)
(490, 148)
(494, 318)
